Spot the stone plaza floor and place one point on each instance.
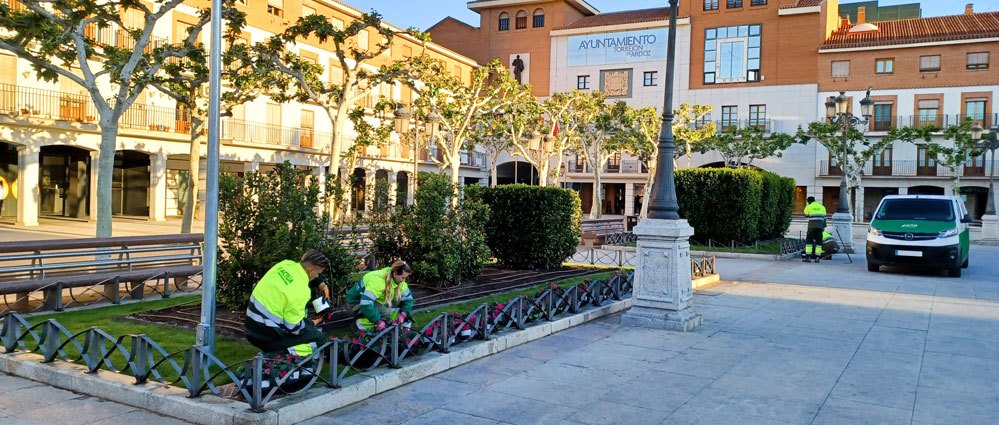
(825, 343)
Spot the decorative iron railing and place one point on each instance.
(259, 379)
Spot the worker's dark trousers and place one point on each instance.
(813, 240)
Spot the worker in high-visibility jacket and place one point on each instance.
(276, 319)
(830, 245)
(816, 215)
(382, 297)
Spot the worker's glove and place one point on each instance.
(380, 326)
(401, 318)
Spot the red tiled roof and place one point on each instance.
(802, 3)
(918, 30)
(619, 18)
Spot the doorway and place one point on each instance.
(130, 184)
(64, 182)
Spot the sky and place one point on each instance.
(423, 14)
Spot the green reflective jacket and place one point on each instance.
(278, 301)
(371, 289)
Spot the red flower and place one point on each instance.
(554, 286)
(499, 306)
(283, 373)
(360, 332)
(355, 341)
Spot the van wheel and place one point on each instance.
(873, 267)
(954, 272)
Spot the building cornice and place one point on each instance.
(580, 5)
(799, 10)
(620, 27)
(909, 45)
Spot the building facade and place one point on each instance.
(49, 139)
(773, 64)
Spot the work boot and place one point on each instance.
(817, 259)
(806, 260)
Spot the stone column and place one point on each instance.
(27, 185)
(858, 205)
(629, 199)
(369, 189)
(843, 226)
(662, 286)
(411, 189)
(990, 229)
(157, 186)
(393, 186)
(92, 189)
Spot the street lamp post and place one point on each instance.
(662, 279)
(431, 125)
(990, 222)
(838, 112)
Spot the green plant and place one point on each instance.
(721, 204)
(776, 205)
(443, 244)
(532, 227)
(269, 217)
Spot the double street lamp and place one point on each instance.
(431, 126)
(989, 144)
(838, 112)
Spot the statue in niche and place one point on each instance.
(518, 68)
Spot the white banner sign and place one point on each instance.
(618, 47)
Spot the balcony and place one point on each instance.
(626, 166)
(296, 137)
(768, 126)
(46, 104)
(940, 121)
(15, 6)
(912, 168)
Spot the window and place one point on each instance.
(710, 4)
(337, 24)
(308, 11)
(840, 69)
(926, 163)
(734, 4)
(884, 66)
(362, 40)
(929, 63)
(521, 20)
(758, 116)
(583, 82)
(978, 60)
(651, 78)
(504, 21)
(882, 117)
(703, 120)
(614, 162)
(539, 18)
(276, 8)
(273, 129)
(975, 109)
(758, 2)
(929, 111)
(730, 117)
(732, 54)
(882, 162)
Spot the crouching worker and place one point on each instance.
(382, 297)
(276, 321)
(830, 245)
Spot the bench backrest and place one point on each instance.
(602, 225)
(29, 260)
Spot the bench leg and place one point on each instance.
(111, 292)
(138, 290)
(20, 301)
(53, 298)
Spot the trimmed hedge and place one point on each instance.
(739, 205)
(531, 227)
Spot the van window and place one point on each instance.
(916, 209)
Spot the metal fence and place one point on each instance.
(258, 380)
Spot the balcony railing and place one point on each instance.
(768, 126)
(912, 168)
(940, 121)
(114, 36)
(243, 131)
(155, 118)
(48, 104)
(467, 158)
(15, 6)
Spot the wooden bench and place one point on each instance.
(357, 240)
(601, 231)
(53, 267)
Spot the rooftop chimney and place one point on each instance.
(861, 15)
(969, 8)
(844, 21)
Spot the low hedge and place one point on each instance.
(532, 227)
(741, 205)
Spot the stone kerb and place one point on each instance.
(198, 406)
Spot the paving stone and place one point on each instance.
(549, 347)
(702, 363)
(602, 412)
(30, 398)
(972, 347)
(735, 404)
(904, 319)
(488, 370)
(656, 391)
(627, 351)
(881, 393)
(940, 406)
(582, 376)
(959, 373)
(12, 383)
(897, 340)
(508, 408)
(588, 332)
(837, 411)
(82, 410)
(11, 420)
(730, 341)
(883, 367)
(138, 417)
(441, 416)
(547, 391)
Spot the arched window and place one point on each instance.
(521, 20)
(539, 18)
(504, 21)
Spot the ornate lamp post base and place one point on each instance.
(663, 291)
(843, 225)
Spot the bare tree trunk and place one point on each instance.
(455, 168)
(648, 190)
(543, 172)
(105, 173)
(194, 165)
(558, 168)
(339, 121)
(595, 209)
(492, 174)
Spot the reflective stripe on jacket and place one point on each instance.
(370, 289)
(278, 301)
